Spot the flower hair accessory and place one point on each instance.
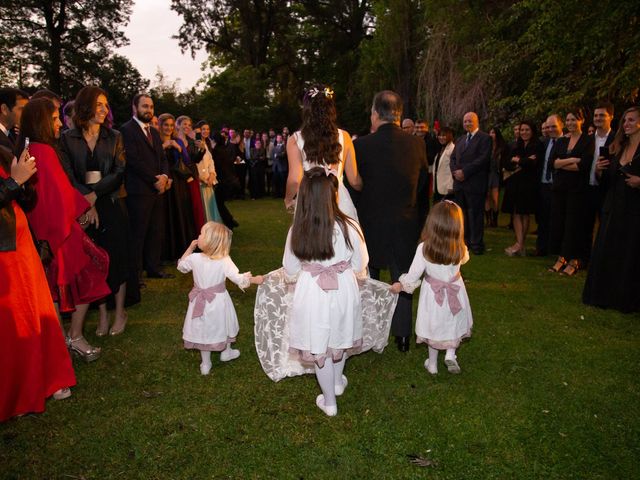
(327, 92)
(330, 171)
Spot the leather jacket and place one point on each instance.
(110, 156)
(26, 197)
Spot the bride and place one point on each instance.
(320, 142)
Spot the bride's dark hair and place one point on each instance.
(319, 129)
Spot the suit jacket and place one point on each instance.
(394, 199)
(109, 154)
(144, 160)
(474, 160)
(6, 141)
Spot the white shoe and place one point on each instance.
(452, 365)
(330, 411)
(339, 389)
(205, 368)
(229, 354)
(429, 369)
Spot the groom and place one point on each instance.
(394, 200)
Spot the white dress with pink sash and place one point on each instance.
(444, 313)
(211, 321)
(301, 319)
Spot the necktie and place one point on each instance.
(466, 143)
(547, 174)
(147, 130)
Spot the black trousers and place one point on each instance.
(401, 324)
(472, 205)
(543, 218)
(147, 222)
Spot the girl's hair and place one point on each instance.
(316, 213)
(443, 234)
(319, 128)
(621, 140)
(84, 108)
(217, 240)
(36, 123)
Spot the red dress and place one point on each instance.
(78, 272)
(34, 361)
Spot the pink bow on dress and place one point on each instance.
(202, 296)
(327, 276)
(439, 289)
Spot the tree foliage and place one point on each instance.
(60, 43)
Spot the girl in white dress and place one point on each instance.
(320, 142)
(444, 314)
(211, 324)
(326, 254)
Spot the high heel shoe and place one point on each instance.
(117, 331)
(559, 265)
(572, 268)
(86, 352)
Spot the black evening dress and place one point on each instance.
(613, 280)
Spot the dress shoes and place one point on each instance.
(403, 343)
(160, 275)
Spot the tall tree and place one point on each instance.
(60, 43)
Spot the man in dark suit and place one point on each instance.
(146, 180)
(12, 101)
(543, 214)
(394, 199)
(470, 162)
(603, 136)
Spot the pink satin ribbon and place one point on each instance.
(202, 296)
(439, 289)
(327, 276)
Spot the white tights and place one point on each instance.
(433, 355)
(328, 377)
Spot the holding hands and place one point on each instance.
(396, 287)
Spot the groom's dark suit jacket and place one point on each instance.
(394, 200)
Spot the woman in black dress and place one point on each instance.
(181, 228)
(571, 160)
(520, 188)
(613, 281)
(96, 156)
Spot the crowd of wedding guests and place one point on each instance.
(98, 206)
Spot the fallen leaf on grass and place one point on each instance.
(146, 394)
(422, 461)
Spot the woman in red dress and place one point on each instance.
(77, 274)
(34, 361)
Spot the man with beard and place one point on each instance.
(146, 180)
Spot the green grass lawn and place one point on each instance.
(548, 390)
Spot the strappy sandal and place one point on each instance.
(559, 265)
(572, 268)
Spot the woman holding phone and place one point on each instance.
(571, 162)
(613, 281)
(34, 361)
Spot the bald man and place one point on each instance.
(470, 162)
